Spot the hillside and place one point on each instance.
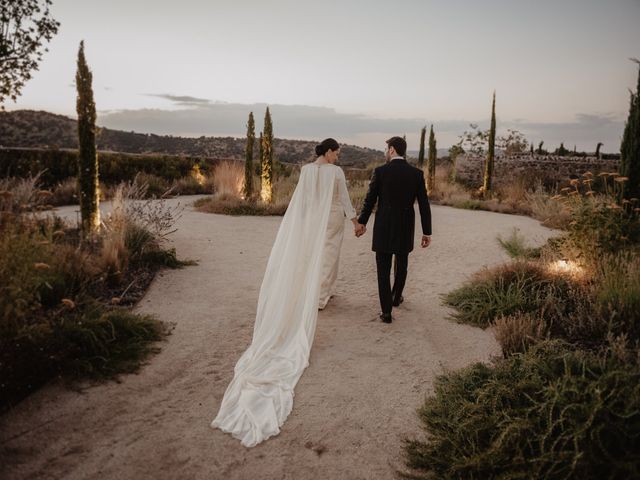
(29, 128)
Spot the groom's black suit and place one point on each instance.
(395, 186)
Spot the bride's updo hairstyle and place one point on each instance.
(326, 145)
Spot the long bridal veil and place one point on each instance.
(260, 396)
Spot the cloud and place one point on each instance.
(198, 116)
(204, 117)
(184, 100)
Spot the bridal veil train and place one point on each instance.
(260, 396)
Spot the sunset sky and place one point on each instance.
(359, 71)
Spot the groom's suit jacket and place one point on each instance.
(396, 186)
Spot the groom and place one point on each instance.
(395, 186)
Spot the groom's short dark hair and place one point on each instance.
(399, 143)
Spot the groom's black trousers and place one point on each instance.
(386, 293)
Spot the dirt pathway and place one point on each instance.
(353, 405)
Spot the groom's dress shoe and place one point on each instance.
(398, 301)
(385, 317)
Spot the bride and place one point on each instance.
(299, 279)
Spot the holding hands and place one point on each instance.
(358, 228)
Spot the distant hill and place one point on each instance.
(440, 152)
(29, 128)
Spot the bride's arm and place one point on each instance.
(349, 211)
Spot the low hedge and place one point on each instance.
(59, 165)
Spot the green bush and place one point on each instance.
(105, 342)
(89, 341)
(35, 271)
(165, 258)
(515, 246)
(58, 165)
(54, 317)
(519, 287)
(549, 413)
(600, 226)
(49, 326)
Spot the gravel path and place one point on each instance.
(353, 406)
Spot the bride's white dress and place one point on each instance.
(260, 396)
(340, 206)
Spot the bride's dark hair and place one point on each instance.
(326, 145)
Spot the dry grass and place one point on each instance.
(230, 202)
(283, 189)
(192, 185)
(113, 257)
(357, 192)
(228, 179)
(65, 193)
(513, 198)
(516, 333)
(19, 195)
(546, 208)
(514, 195)
(229, 205)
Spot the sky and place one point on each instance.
(356, 70)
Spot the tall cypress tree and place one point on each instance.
(404, 137)
(630, 147)
(266, 192)
(87, 156)
(248, 158)
(488, 166)
(431, 162)
(598, 150)
(260, 155)
(423, 133)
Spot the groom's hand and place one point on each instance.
(426, 241)
(360, 230)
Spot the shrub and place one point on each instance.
(519, 287)
(599, 226)
(192, 186)
(616, 293)
(514, 193)
(548, 209)
(153, 215)
(518, 332)
(468, 204)
(549, 413)
(155, 186)
(58, 165)
(515, 246)
(19, 195)
(65, 192)
(90, 340)
(55, 318)
(237, 207)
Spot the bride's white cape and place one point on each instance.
(260, 396)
